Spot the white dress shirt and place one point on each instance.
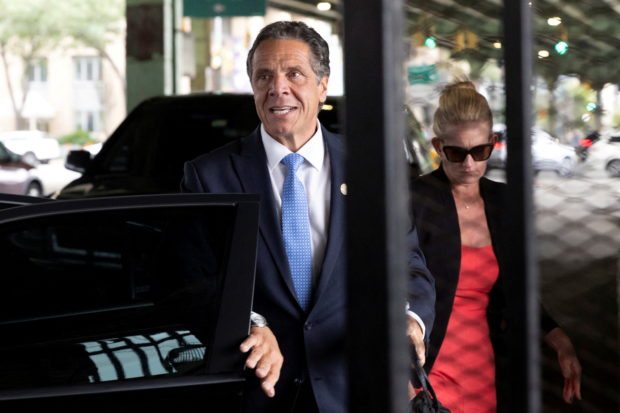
(315, 174)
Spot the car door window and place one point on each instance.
(119, 294)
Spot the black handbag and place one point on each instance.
(425, 401)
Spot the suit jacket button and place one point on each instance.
(308, 326)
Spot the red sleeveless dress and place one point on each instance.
(463, 374)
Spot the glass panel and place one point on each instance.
(577, 190)
(575, 160)
(108, 297)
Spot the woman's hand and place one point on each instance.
(569, 363)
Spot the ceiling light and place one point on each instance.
(216, 62)
(554, 21)
(497, 44)
(324, 6)
(543, 53)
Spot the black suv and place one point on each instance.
(147, 151)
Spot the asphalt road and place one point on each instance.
(578, 246)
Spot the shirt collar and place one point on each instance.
(313, 151)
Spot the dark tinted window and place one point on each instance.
(114, 296)
(163, 133)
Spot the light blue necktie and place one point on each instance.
(296, 230)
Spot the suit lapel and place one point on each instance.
(251, 165)
(336, 232)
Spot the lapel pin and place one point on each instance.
(343, 189)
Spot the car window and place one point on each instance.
(614, 139)
(162, 134)
(120, 294)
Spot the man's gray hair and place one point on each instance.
(295, 30)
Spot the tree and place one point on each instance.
(28, 29)
(92, 23)
(31, 28)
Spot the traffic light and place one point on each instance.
(591, 106)
(561, 47)
(430, 42)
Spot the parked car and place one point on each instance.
(604, 155)
(548, 154)
(34, 146)
(497, 160)
(106, 305)
(147, 151)
(16, 176)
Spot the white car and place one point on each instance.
(34, 146)
(548, 154)
(604, 155)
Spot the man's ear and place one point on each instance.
(323, 89)
(436, 144)
(494, 138)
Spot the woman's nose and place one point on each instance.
(468, 161)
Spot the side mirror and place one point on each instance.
(78, 161)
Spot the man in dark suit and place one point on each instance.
(301, 266)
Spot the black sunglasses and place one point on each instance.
(478, 153)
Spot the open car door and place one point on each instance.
(126, 304)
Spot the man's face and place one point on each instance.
(287, 93)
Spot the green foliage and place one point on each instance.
(30, 29)
(79, 137)
(616, 120)
(91, 22)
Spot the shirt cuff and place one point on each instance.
(416, 318)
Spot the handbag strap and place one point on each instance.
(424, 382)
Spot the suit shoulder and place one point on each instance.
(426, 184)
(495, 187)
(334, 141)
(218, 155)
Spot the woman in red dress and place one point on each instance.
(457, 212)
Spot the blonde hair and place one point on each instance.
(460, 103)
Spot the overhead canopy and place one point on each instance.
(590, 28)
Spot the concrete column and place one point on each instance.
(201, 29)
(153, 49)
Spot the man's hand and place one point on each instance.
(569, 363)
(414, 332)
(265, 356)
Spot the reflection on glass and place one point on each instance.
(114, 296)
(143, 355)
